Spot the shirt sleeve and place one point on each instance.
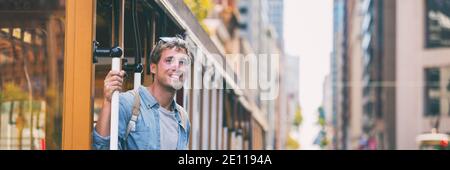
(100, 142)
(188, 131)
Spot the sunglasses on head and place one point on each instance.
(177, 38)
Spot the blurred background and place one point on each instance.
(342, 74)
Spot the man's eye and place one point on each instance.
(169, 60)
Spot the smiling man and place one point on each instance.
(149, 118)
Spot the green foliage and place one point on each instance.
(298, 119)
(291, 143)
(200, 9)
(321, 120)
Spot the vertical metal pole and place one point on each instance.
(137, 80)
(115, 110)
(118, 13)
(138, 51)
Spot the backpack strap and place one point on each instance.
(183, 115)
(135, 114)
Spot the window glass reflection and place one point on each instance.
(31, 69)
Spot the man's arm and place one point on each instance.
(113, 82)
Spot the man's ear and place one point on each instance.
(153, 68)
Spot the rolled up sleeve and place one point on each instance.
(100, 142)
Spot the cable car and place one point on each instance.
(433, 141)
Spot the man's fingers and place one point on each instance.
(115, 83)
(117, 78)
(116, 73)
(115, 88)
(114, 79)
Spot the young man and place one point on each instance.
(161, 123)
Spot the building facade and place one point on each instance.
(396, 67)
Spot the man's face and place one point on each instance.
(171, 69)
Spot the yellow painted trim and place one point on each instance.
(77, 116)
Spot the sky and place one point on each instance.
(308, 31)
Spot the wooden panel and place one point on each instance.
(77, 117)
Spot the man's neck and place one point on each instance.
(162, 95)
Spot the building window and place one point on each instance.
(437, 91)
(243, 10)
(437, 18)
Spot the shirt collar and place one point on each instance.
(152, 102)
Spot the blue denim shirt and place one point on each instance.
(147, 133)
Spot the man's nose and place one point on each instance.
(175, 65)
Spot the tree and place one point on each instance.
(298, 116)
(321, 120)
(291, 143)
(200, 9)
(321, 138)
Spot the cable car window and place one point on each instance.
(32, 74)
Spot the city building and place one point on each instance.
(393, 67)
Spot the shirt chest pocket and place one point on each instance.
(146, 133)
(140, 135)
